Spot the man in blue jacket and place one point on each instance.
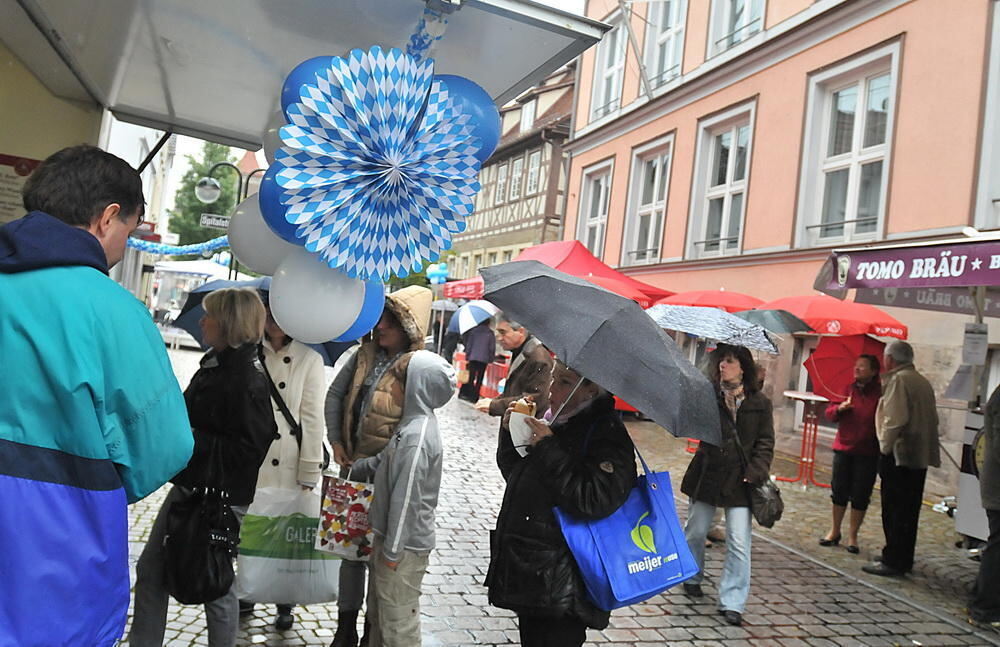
(91, 415)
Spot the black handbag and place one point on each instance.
(201, 539)
(293, 424)
(200, 546)
(765, 499)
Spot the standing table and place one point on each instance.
(813, 405)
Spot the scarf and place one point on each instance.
(733, 396)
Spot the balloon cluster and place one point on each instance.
(374, 165)
(437, 273)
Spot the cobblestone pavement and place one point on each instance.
(801, 594)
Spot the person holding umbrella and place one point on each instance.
(480, 348)
(855, 452)
(721, 475)
(585, 463)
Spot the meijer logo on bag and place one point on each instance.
(642, 537)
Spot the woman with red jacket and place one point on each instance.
(855, 451)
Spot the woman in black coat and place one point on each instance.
(722, 476)
(585, 464)
(233, 424)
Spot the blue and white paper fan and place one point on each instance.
(380, 165)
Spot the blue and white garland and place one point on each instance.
(178, 250)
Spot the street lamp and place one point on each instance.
(208, 190)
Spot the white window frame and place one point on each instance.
(671, 35)
(534, 172)
(528, 109)
(516, 177)
(652, 248)
(723, 34)
(501, 184)
(584, 222)
(508, 255)
(601, 105)
(491, 259)
(816, 163)
(703, 193)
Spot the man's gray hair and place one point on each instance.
(900, 352)
(513, 324)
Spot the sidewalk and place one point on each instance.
(801, 593)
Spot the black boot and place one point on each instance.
(285, 618)
(364, 637)
(347, 630)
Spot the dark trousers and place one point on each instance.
(551, 632)
(985, 603)
(853, 479)
(902, 496)
(476, 372)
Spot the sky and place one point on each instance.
(191, 146)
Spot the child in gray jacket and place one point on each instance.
(407, 482)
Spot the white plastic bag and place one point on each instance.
(277, 559)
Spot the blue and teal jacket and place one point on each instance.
(91, 418)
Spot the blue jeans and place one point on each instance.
(734, 588)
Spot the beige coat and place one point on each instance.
(906, 419)
(297, 371)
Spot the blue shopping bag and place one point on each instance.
(636, 552)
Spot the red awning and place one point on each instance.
(572, 257)
(566, 256)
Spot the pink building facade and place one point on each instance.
(734, 143)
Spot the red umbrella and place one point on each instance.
(831, 366)
(831, 316)
(724, 299)
(620, 288)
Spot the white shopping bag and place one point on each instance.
(277, 559)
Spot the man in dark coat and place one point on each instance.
(530, 370)
(984, 607)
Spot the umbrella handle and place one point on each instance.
(568, 398)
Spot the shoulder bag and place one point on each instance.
(765, 499)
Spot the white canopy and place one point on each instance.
(213, 69)
(206, 268)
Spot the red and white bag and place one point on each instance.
(344, 529)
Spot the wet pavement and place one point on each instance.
(801, 593)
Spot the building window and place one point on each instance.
(501, 193)
(846, 151)
(594, 208)
(665, 40)
(477, 262)
(723, 166)
(534, 167)
(465, 266)
(647, 202)
(528, 115)
(508, 255)
(608, 71)
(516, 174)
(734, 21)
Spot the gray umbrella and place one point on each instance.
(781, 322)
(610, 340)
(712, 323)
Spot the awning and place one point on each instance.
(961, 262)
(214, 69)
(567, 256)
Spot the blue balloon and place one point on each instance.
(304, 72)
(371, 312)
(477, 103)
(269, 197)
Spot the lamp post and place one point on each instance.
(208, 190)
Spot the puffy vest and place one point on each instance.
(385, 407)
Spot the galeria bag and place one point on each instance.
(199, 547)
(278, 561)
(636, 552)
(765, 499)
(344, 529)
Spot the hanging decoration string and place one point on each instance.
(178, 250)
(429, 31)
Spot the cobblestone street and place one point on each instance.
(801, 594)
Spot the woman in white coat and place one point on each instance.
(297, 373)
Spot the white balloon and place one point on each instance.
(313, 302)
(253, 242)
(271, 140)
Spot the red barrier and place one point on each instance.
(492, 385)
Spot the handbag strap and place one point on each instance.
(278, 400)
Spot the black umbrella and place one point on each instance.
(781, 322)
(193, 311)
(610, 340)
